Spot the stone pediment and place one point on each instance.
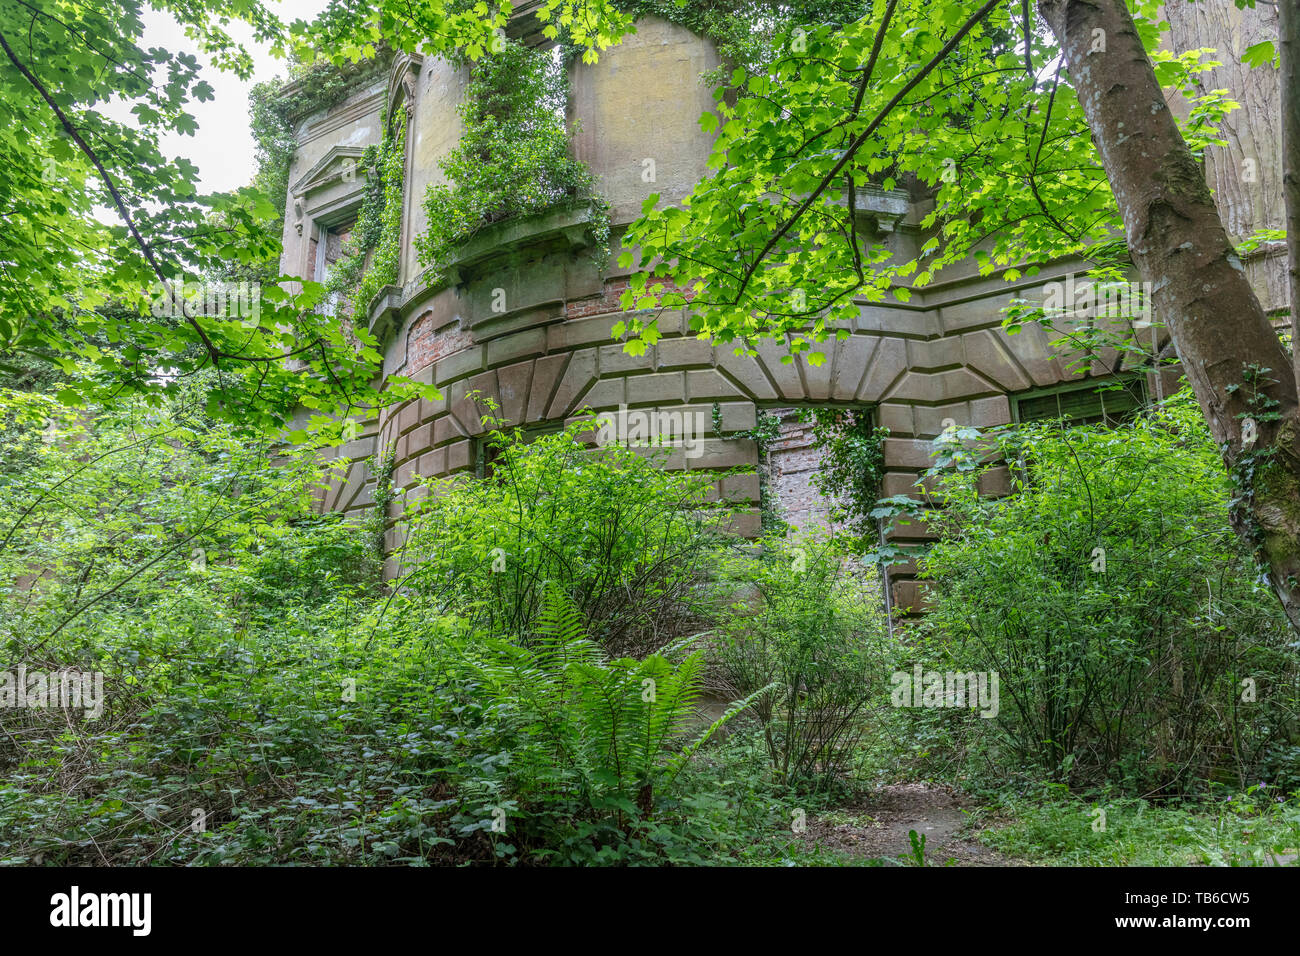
(338, 163)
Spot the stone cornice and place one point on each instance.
(567, 226)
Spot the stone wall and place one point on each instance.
(525, 313)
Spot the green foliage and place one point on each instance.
(1252, 828)
(816, 119)
(811, 629)
(627, 540)
(376, 256)
(513, 156)
(265, 702)
(348, 32)
(596, 732)
(744, 32)
(94, 299)
(1133, 642)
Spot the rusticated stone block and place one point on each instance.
(747, 524)
(432, 463)
(908, 453)
(932, 421)
(988, 412)
(850, 366)
(996, 482)
(605, 394)
(458, 365)
(724, 453)
(615, 361)
(512, 391)
(909, 597)
(460, 456)
(660, 387)
(899, 483)
(888, 362)
(683, 353)
(578, 376)
(573, 333)
(745, 372)
(520, 345)
(704, 384)
(897, 418)
(446, 430)
(784, 374)
(986, 354)
(546, 375)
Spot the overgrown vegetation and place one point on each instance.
(375, 252)
(630, 543)
(513, 157)
(581, 664)
(1136, 647)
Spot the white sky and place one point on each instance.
(222, 148)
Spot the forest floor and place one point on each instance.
(877, 826)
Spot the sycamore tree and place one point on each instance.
(1038, 132)
(112, 258)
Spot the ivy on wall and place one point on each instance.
(743, 31)
(375, 256)
(513, 157)
(852, 465)
(276, 105)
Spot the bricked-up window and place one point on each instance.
(488, 452)
(1107, 403)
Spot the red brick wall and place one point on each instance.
(792, 460)
(610, 300)
(423, 345)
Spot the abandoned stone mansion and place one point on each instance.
(524, 313)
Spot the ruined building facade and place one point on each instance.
(524, 313)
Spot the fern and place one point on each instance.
(613, 727)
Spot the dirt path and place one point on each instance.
(877, 826)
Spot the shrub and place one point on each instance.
(628, 541)
(817, 637)
(1127, 623)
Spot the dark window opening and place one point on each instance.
(1106, 403)
(488, 451)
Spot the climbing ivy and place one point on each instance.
(513, 158)
(743, 31)
(275, 106)
(375, 255)
(766, 430)
(852, 464)
(381, 466)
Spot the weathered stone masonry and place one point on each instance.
(545, 351)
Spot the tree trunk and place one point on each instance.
(1230, 353)
(1289, 54)
(1246, 175)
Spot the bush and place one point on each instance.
(1127, 623)
(629, 542)
(817, 637)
